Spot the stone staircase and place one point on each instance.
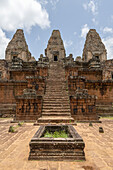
(56, 106)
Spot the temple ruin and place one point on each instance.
(31, 90)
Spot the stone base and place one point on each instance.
(26, 121)
(88, 121)
(71, 148)
(39, 124)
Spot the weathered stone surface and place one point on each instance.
(18, 47)
(56, 107)
(14, 148)
(94, 47)
(71, 148)
(83, 104)
(28, 106)
(55, 47)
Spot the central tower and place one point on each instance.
(55, 49)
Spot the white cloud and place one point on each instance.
(94, 21)
(53, 3)
(22, 14)
(43, 2)
(108, 42)
(85, 6)
(91, 6)
(107, 30)
(75, 33)
(3, 44)
(84, 30)
(38, 38)
(68, 43)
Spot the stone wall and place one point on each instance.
(102, 89)
(18, 80)
(28, 106)
(83, 106)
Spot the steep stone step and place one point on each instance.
(56, 107)
(55, 90)
(55, 110)
(56, 93)
(55, 114)
(55, 102)
(49, 95)
(61, 88)
(60, 105)
(54, 119)
(55, 97)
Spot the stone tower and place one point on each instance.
(18, 47)
(55, 49)
(94, 48)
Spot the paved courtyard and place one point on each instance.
(14, 148)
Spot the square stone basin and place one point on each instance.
(49, 148)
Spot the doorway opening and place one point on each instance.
(55, 58)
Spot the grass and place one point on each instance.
(107, 117)
(5, 117)
(56, 134)
(20, 123)
(13, 129)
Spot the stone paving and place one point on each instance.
(14, 148)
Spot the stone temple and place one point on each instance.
(56, 88)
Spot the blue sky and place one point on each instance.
(73, 18)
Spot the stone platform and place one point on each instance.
(14, 148)
(47, 148)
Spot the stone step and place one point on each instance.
(53, 81)
(57, 80)
(54, 87)
(59, 71)
(60, 90)
(56, 105)
(55, 119)
(61, 93)
(55, 97)
(56, 110)
(50, 95)
(55, 114)
(55, 90)
(55, 102)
